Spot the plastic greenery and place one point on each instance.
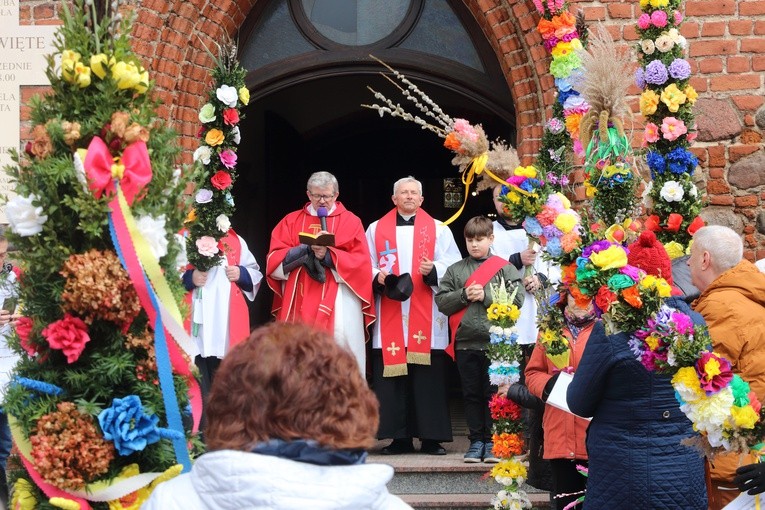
(210, 219)
(87, 352)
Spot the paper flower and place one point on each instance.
(223, 223)
(664, 43)
(651, 133)
(207, 246)
(679, 69)
(672, 128)
(24, 217)
(127, 426)
(207, 113)
(221, 179)
(126, 75)
(244, 95)
(23, 497)
(644, 21)
(673, 98)
(672, 191)
(647, 46)
(227, 95)
(153, 231)
(236, 136)
(659, 18)
(656, 73)
(214, 137)
(228, 159)
(231, 116)
(714, 372)
(203, 196)
(69, 335)
(649, 100)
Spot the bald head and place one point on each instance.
(715, 249)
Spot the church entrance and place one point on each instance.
(308, 72)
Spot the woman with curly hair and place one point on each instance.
(289, 417)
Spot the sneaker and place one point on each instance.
(475, 452)
(488, 456)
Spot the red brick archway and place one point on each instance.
(172, 36)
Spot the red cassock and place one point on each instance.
(301, 298)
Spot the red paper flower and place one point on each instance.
(714, 372)
(69, 334)
(652, 223)
(604, 298)
(24, 330)
(231, 116)
(674, 221)
(696, 224)
(221, 180)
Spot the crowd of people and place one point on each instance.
(291, 398)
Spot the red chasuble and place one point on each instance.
(420, 303)
(303, 299)
(481, 276)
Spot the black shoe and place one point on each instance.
(432, 447)
(398, 446)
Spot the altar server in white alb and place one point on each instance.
(410, 253)
(219, 315)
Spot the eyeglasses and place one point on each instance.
(326, 198)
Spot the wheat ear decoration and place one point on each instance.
(606, 75)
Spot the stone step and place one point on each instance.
(444, 482)
(465, 501)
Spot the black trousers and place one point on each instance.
(473, 366)
(566, 480)
(416, 404)
(207, 368)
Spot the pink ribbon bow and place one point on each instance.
(132, 170)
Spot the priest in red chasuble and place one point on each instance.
(324, 284)
(410, 253)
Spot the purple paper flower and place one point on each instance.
(679, 69)
(555, 126)
(596, 247)
(631, 271)
(656, 73)
(683, 323)
(551, 232)
(640, 78)
(203, 196)
(228, 158)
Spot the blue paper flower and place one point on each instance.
(656, 163)
(128, 426)
(532, 226)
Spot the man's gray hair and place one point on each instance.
(322, 179)
(725, 247)
(406, 179)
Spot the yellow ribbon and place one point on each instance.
(476, 167)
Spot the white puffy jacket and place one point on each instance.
(234, 480)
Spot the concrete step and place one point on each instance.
(440, 482)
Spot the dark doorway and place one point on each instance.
(320, 125)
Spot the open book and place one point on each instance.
(317, 239)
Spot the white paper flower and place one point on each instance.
(24, 217)
(223, 223)
(236, 135)
(207, 113)
(203, 154)
(672, 191)
(182, 260)
(647, 46)
(153, 231)
(664, 43)
(203, 196)
(227, 95)
(693, 191)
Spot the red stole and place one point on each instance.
(420, 303)
(238, 313)
(481, 276)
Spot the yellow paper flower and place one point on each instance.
(67, 69)
(673, 97)
(513, 313)
(644, 4)
(615, 231)
(143, 82)
(23, 498)
(547, 336)
(514, 197)
(98, 64)
(659, 3)
(674, 249)
(214, 137)
(648, 281)
(561, 49)
(744, 417)
(612, 257)
(244, 95)
(576, 44)
(652, 342)
(691, 94)
(526, 171)
(492, 313)
(589, 189)
(686, 382)
(649, 100)
(563, 200)
(565, 222)
(125, 75)
(81, 75)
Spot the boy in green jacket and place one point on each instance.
(464, 294)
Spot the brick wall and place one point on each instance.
(726, 51)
